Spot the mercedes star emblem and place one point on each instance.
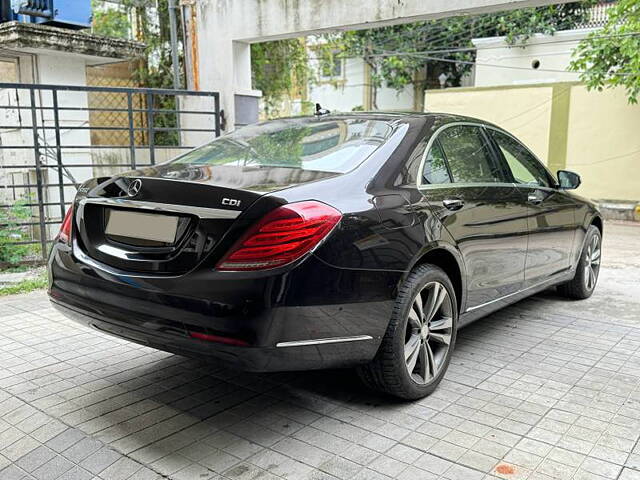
(134, 187)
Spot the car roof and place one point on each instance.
(389, 116)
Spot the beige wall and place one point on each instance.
(523, 111)
(602, 130)
(603, 143)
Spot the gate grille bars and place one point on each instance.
(54, 137)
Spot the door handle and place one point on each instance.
(453, 203)
(534, 198)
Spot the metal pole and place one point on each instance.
(56, 123)
(36, 150)
(151, 129)
(173, 27)
(132, 136)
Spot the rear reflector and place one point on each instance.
(218, 339)
(281, 237)
(64, 235)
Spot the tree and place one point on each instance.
(279, 68)
(611, 57)
(152, 28)
(418, 53)
(155, 69)
(109, 22)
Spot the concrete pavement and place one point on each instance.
(547, 388)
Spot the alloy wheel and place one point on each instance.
(428, 333)
(592, 263)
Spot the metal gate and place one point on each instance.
(54, 137)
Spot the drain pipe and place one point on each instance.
(173, 27)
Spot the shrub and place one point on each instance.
(12, 232)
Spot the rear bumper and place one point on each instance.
(311, 317)
(252, 359)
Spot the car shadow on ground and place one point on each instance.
(203, 388)
(185, 394)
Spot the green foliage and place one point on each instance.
(155, 70)
(279, 68)
(112, 21)
(281, 148)
(396, 53)
(109, 22)
(611, 57)
(25, 286)
(11, 232)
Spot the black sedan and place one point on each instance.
(359, 240)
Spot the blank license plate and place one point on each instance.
(144, 226)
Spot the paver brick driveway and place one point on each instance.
(547, 388)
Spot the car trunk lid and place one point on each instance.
(167, 220)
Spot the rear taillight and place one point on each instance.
(65, 229)
(282, 236)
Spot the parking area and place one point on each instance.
(547, 388)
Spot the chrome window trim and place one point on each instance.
(554, 183)
(202, 212)
(324, 341)
(465, 185)
(434, 135)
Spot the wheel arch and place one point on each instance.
(596, 221)
(449, 260)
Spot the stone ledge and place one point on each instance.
(17, 35)
(619, 210)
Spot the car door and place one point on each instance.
(551, 212)
(465, 188)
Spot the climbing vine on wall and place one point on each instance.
(279, 68)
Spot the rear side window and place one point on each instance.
(524, 167)
(469, 156)
(435, 166)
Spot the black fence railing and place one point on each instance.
(597, 15)
(54, 137)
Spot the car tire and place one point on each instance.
(416, 349)
(586, 277)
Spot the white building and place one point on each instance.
(348, 87)
(543, 59)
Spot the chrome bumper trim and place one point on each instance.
(323, 341)
(202, 212)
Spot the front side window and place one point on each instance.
(525, 168)
(435, 166)
(469, 156)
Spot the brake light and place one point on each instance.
(218, 339)
(65, 229)
(281, 237)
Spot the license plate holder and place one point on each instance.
(142, 226)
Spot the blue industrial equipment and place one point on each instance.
(74, 14)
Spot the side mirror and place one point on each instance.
(568, 180)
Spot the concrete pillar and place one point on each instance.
(224, 65)
(245, 105)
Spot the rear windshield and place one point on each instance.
(335, 146)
